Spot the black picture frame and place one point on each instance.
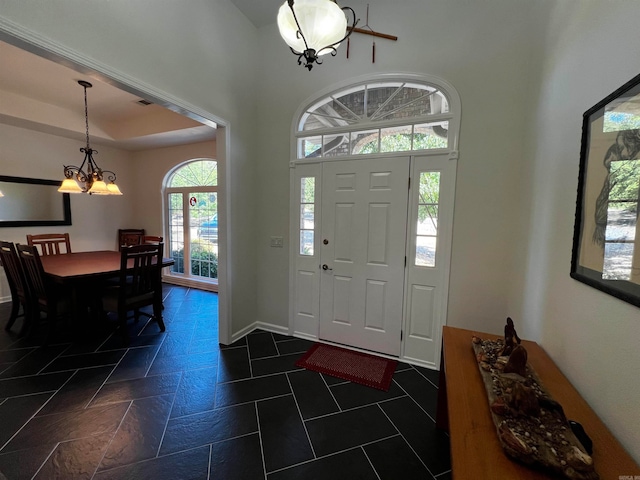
(606, 248)
(29, 197)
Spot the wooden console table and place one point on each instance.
(463, 410)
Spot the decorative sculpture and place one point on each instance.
(530, 424)
(510, 336)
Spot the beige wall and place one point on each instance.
(591, 49)
(488, 52)
(150, 167)
(95, 218)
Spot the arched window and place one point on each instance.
(191, 194)
(375, 118)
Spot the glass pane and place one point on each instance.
(334, 113)
(409, 102)
(354, 101)
(306, 242)
(336, 145)
(328, 113)
(310, 147)
(429, 188)
(622, 113)
(427, 220)
(623, 179)
(439, 103)
(618, 258)
(377, 95)
(176, 231)
(199, 173)
(621, 222)
(425, 251)
(203, 210)
(396, 139)
(364, 142)
(430, 135)
(307, 189)
(307, 216)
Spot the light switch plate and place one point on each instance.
(277, 242)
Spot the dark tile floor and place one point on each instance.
(176, 405)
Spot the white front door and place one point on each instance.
(362, 242)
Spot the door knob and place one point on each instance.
(326, 267)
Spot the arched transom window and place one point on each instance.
(375, 118)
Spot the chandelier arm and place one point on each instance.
(87, 156)
(299, 32)
(71, 170)
(111, 177)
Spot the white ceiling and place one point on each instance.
(260, 12)
(42, 95)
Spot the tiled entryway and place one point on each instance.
(178, 406)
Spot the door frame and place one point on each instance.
(21, 37)
(313, 165)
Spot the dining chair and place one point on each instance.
(129, 236)
(45, 296)
(17, 286)
(140, 285)
(50, 243)
(151, 239)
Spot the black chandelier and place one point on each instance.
(313, 28)
(88, 177)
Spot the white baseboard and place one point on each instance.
(305, 336)
(184, 282)
(269, 327)
(244, 332)
(419, 363)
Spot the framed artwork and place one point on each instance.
(606, 241)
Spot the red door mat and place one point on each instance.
(362, 368)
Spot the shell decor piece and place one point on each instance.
(531, 426)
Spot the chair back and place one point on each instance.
(50, 243)
(33, 272)
(140, 270)
(151, 239)
(13, 269)
(129, 236)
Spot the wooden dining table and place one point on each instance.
(85, 273)
(71, 268)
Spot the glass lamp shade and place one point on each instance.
(99, 188)
(113, 189)
(1, 194)
(69, 185)
(322, 23)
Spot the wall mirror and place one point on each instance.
(30, 202)
(606, 242)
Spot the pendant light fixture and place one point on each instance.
(88, 177)
(313, 28)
